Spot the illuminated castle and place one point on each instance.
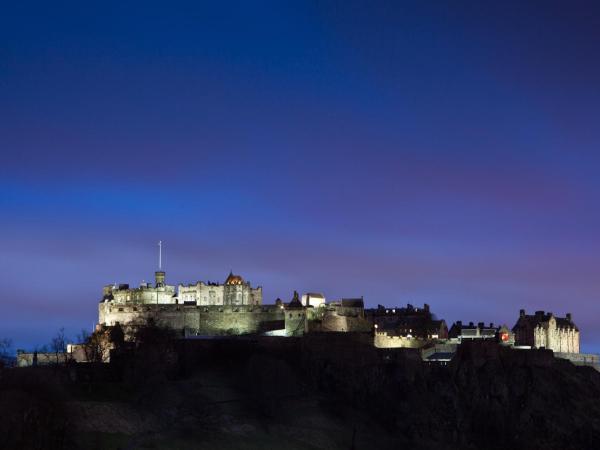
(235, 291)
(234, 307)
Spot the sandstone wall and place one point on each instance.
(383, 340)
(201, 320)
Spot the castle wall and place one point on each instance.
(581, 359)
(384, 340)
(27, 359)
(295, 321)
(325, 319)
(332, 321)
(192, 320)
(256, 297)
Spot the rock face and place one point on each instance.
(524, 399)
(489, 396)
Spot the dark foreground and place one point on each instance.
(319, 392)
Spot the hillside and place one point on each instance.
(319, 392)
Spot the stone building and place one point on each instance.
(406, 327)
(344, 315)
(235, 291)
(480, 331)
(313, 299)
(296, 317)
(145, 294)
(544, 330)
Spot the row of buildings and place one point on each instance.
(235, 307)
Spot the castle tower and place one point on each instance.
(159, 277)
(295, 317)
(235, 290)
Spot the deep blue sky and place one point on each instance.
(440, 152)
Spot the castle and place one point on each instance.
(231, 308)
(235, 307)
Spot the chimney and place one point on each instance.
(491, 324)
(522, 313)
(459, 323)
(470, 324)
(480, 325)
(426, 307)
(569, 317)
(539, 313)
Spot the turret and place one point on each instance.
(159, 276)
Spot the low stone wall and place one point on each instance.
(26, 359)
(581, 359)
(383, 340)
(438, 347)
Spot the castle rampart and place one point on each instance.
(196, 319)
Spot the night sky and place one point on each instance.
(409, 152)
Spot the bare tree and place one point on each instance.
(58, 345)
(5, 346)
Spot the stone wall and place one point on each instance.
(332, 318)
(385, 340)
(196, 320)
(581, 359)
(296, 321)
(26, 359)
